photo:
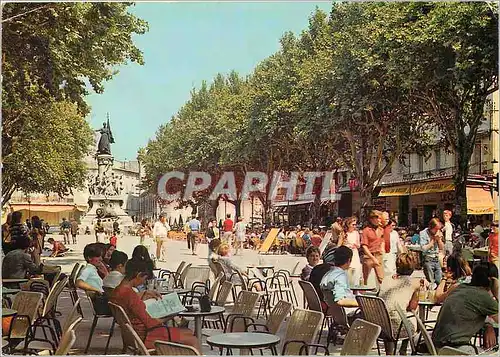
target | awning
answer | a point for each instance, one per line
(291, 203)
(479, 201)
(418, 188)
(42, 208)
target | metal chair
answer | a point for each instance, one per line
(97, 315)
(164, 348)
(314, 304)
(139, 345)
(408, 328)
(66, 343)
(275, 319)
(360, 338)
(301, 331)
(426, 336)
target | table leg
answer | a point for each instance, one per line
(197, 327)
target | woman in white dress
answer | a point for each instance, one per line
(351, 239)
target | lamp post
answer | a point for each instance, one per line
(409, 192)
(251, 218)
(28, 198)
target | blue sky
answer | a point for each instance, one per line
(188, 43)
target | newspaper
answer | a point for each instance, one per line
(169, 305)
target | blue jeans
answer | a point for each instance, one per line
(432, 270)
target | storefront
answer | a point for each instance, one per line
(417, 203)
(51, 213)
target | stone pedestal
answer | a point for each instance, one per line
(105, 201)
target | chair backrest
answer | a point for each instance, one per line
(67, 341)
(408, 326)
(26, 303)
(302, 326)
(73, 275)
(360, 338)
(140, 347)
(215, 287)
(375, 311)
(183, 275)
(219, 268)
(164, 348)
(53, 271)
(223, 293)
(244, 305)
(180, 267)
(450, 351)
(295, 269)
(198, 274)
(244, 284)
(278, 315)
(311, 296)
(123, 320)
(72, 317)
(426, 336)
(56, 290)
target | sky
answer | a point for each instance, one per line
(186, 44)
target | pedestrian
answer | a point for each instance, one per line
(116, 227)
(372, 243)
(431, 242)
(352, 240)
(194, 226)
(99, 231)
(493, 243)
(210, 233)
(74, 229)
(65, 227)
(145, 236)
(448, 232)
(187, 230)
(240, 231)
(160, 234)
(227, 227)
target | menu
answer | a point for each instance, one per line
(170, 304)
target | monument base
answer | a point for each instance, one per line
(106, 209)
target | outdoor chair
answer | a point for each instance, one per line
(426, 336)
(166, 274)
(375, 311)
(164, 348)
(140, 348)
(220, 300)
(71, 288)
(38, 344)
(98, 315)
(26, 303)
(179, 283)
(66, 343)
(314, 304)
(275, 319)
(450, 351)
(360, 338)
(279, 288)
(407, 326)
(197, 280)
(303, 326)
(340, 323)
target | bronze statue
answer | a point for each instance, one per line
(106, 139)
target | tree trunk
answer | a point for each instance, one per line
(366, 202)
(7, 192)
(314, 213)
(237, 205)
(462, 158)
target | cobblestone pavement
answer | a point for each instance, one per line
(177, 251)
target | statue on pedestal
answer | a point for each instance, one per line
(106, 139)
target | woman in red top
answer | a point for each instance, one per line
(148, 328)
(493, 243)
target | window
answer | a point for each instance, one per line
(420, 163)
(438, 159)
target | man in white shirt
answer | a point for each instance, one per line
(160, 233)
(240, 230)
(117, 263)
(448, 232)
(89, 279)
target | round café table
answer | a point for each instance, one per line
(9, 291)
(199, 315)
(263, 268)
(178, 291)
(13, 281)
(423, 305)
(244, 340)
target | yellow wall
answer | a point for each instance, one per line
(494, 145)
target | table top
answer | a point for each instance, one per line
(8, 312)
(8, 291)
(178, 291)
(7, 281)
(362, 287)
(214, 311)
(429, 303)
(261, 266)
(243, 340)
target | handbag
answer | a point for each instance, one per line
(205, 304)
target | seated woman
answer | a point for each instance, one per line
(213, 248)
(117, 263)
(400, 289)
(58, 248)
(148, 328)
(230, 268)
(312, 256)
(457, 272)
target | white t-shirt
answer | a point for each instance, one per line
(448, 230)
(394, 239)
(113, 279)
(161, 229)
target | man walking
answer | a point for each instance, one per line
(74, 230)
(227, 227)
(373, 246)
(240, 230)
(448, 232)
(194, 227)
(160, 233)
(65, 227)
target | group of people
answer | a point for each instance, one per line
(106, 230)
(111, 276)
(470, 298)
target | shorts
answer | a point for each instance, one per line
(240, 237)
(193, 237)
(161, 239)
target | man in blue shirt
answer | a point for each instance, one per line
(194, 226)
(431, 242)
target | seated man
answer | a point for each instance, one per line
(18, 264)
(117, 264)
(464, 313)
(89, 279)
(58, 248)
(335, 283)
(319, 271)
